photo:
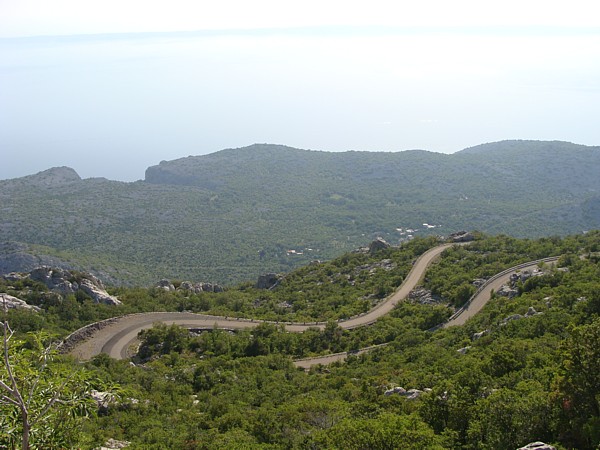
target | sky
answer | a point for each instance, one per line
(112, 87)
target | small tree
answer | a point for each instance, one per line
(41, 399)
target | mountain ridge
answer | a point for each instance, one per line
(232, 215)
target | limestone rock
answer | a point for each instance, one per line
(98, 294)
(196, 288)
(55, 279)
(377, 245)
(210, 287)
(15, 303)
(65, 282)
(507, 291)
(113, 444)
(166, 285)
(531, 312)
(513, 317)
(268, 281)
(479, 335)
(461, 236)
(410, 394)
(423, 296)
(103, 399)
(537, 446)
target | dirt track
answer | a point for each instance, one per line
(117, 338)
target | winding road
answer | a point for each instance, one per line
(117, 337)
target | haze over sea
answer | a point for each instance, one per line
(110, 105)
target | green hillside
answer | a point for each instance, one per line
(232, 215)
(524, 369)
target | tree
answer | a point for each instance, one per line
(388, 431)
(580, 386)
(41, 400)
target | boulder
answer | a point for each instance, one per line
(103, 399)
(65, 282)
(395, 390)
(189, 286)
(268, 281)
(410, 394)
(461, 236)
(507, 291)
(510, 318)
(196, 288)
(113, 444)
(531, 312)
(15, 303)
(378, 245)
(479, 335)
(98, 294)
(210, 287)
(423, 296)
(166, 285)
(55, 279)
(537, 446)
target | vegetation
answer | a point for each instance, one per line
(524, 380)
(42, 402)
(229, 216)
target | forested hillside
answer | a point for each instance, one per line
(524, 369)
(232, 215)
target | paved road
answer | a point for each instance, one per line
(119, 337)
(479, 301)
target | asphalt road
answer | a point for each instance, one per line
(119, 338)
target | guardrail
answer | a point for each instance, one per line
(489, 281)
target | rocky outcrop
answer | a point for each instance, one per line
(461, 236)
(464, 350)
(268, 281)
(479, 335)
(537, 446)
(530, 313)
(525, 275)
(94, 289)
(103, 399)
(166, 285)
(55, 279)
(65, 282)
(196, 288)
(378, 245)
(507, 291)
(410, 394)
(11, 302)
(188, 286)
(113, 444)
(423, 296)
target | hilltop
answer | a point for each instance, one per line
(234, 214)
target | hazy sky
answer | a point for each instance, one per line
(111, 87)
